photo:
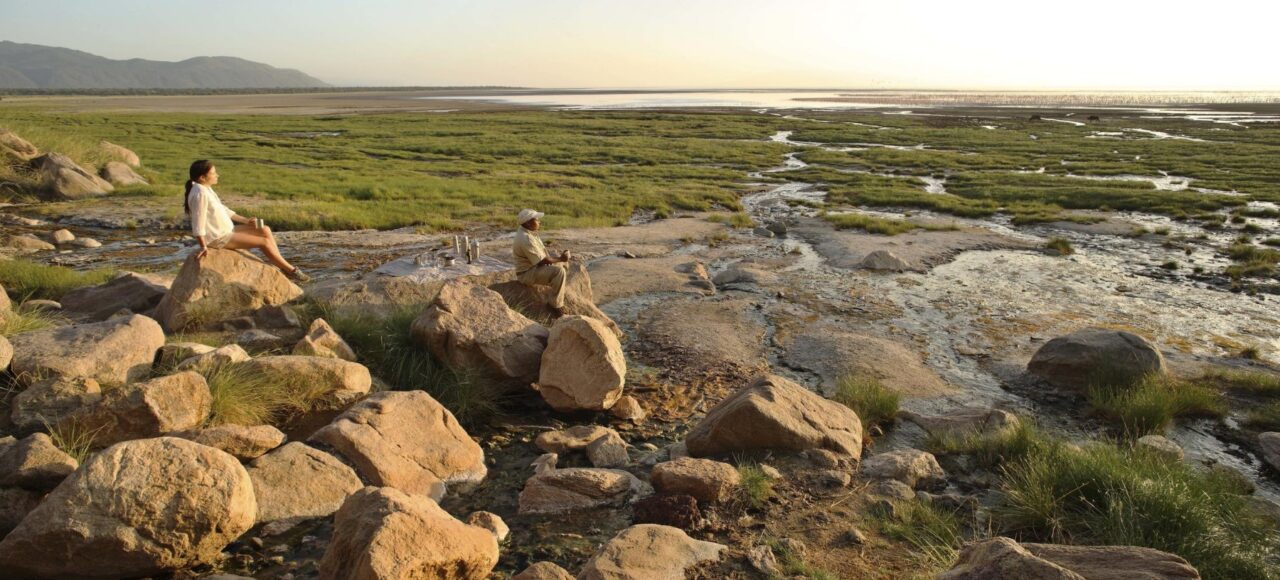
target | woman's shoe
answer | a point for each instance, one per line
(298, 275)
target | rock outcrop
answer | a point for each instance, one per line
(579, 298)
(915, 468)
(383, 534)
(65, 178)
(298, 481)
(114, 351)
(138, 508)
(241, 442)
(139, 410)
(704, 479)
(554, 491)
(137, 293)
(583, 367)
(225, 284)
(49, 401)
(126, 156)
(15, 146)
(1095, 355)
(322, 340)
(471, 329)
(1005, 559)
(647, 551)
(34, 463)
(121, 175)
(774, 413)
(405, 440)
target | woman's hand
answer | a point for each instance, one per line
(202, 253)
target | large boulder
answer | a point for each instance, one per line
(383, 534)
(913, 467)
(884, 261)
(647, 551)
(129, 291)
(225, 284)
(579, 298)
(774, 413)
(298, 481)
(323, 383)
(120, 174)
(704, 479)
(138, 508)
(1005, 559)
(240, 441)
(15, 504)
(207, 363)
(118, 152)
(139, 410)
(405, 440)
(112, 352)
(65, 178)
(583, 367)
(322, 340)
(34, 463)
(16, 146)
(49, 401)
(543, 571)
(471, 329)
(554, 491)
(1095, 355)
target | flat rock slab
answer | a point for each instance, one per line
(831, 351)
(920, 249)
(703, 334)
(616, 278)
(648, 551)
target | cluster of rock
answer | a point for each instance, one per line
(63, 177)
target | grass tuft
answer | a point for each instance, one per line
(935, 533)
(72, 438)
(994, 449)
(875, 404)
(756, 488)
(25, 280)
(1060, 245)
(737, 221)
(1149, 405)
(22, 320)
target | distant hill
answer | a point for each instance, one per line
(31, 66)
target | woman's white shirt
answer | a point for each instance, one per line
(209, 218)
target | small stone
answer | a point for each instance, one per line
(834, 478)
(239, 323)
(680, 511)
(628, 409)
(770, 471)
(257, 339)
(763, 560)
(279, 316)
(608, 451)
(1162, 446)
(491, 522)
(62, 237)
(87, 243)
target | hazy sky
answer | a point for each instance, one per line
(1027, 44)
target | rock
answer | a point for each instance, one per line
(826, 459)
(917, 469)
(965, 421)
(112, 352)
(87, 243)
(557, 491)
(65, 178)
(209, 361)
(833, 478)
(239, 323)
(774, 413)
(571, 439)
(543, 571)
(381, 533)
(15, 504)
(471, 329)
(37, 304)
(583, 367)
(491, 522)
(1268, 510)
(139, 410)
(1005, 559)
(707, 480)
(34, 463)
(579, 298)
(891, 490)
(778, 228)
(135, 292)
(763, 560)
(121, 175)
(545, 463)
(1093, 354)
(241, 442)
(742, 274)
(1270, 443)
(328, 383)
(647, 551)
(405, 440)
(608, 451)
(62, 236)
(628, 409)
(6, 349)
(298, 481)
(1162, 446)
(276, 317)
(138, 508)
(28, 243)
(49, 401)
(225, 284)
(680, 511)
(258, 340)
(175, 352)
(321, 340)
(762, 232)
(17, 146)
(118, 152)
(883, 260)
(5, 304)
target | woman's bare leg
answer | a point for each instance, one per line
(247, 237)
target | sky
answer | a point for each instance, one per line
(944, 44)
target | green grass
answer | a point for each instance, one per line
(879, 225)
(72, 438)
(934, 533)
(1149, 405)
(738, 220)
(1060, 245)
(993, 450)
(793, 564)
(1265, 417)
(756, 488)
(1108, 495)
(22, 320)
(24, 280)
(875, 404)
(1244, 381)
(243, 397)
(385, 345)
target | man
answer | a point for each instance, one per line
(533, 266)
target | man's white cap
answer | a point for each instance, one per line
(528, 214)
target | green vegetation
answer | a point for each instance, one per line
(24, 280)
(737, 221)
(385, 345)
(1244, 381)
(1265, 417)
(1060, 245)
(935, 533)
(72, 438)
(793, 564)
(1252, 261)
(879, 225)
(23, 319)
(1150, 404)
(756, 488)
(992, 450)
(244, 397)
(875, 404)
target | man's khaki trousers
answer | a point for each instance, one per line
(552, 275)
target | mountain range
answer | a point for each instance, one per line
(32, 66)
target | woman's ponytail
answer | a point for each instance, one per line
(198, 169)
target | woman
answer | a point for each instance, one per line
(216, 226)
